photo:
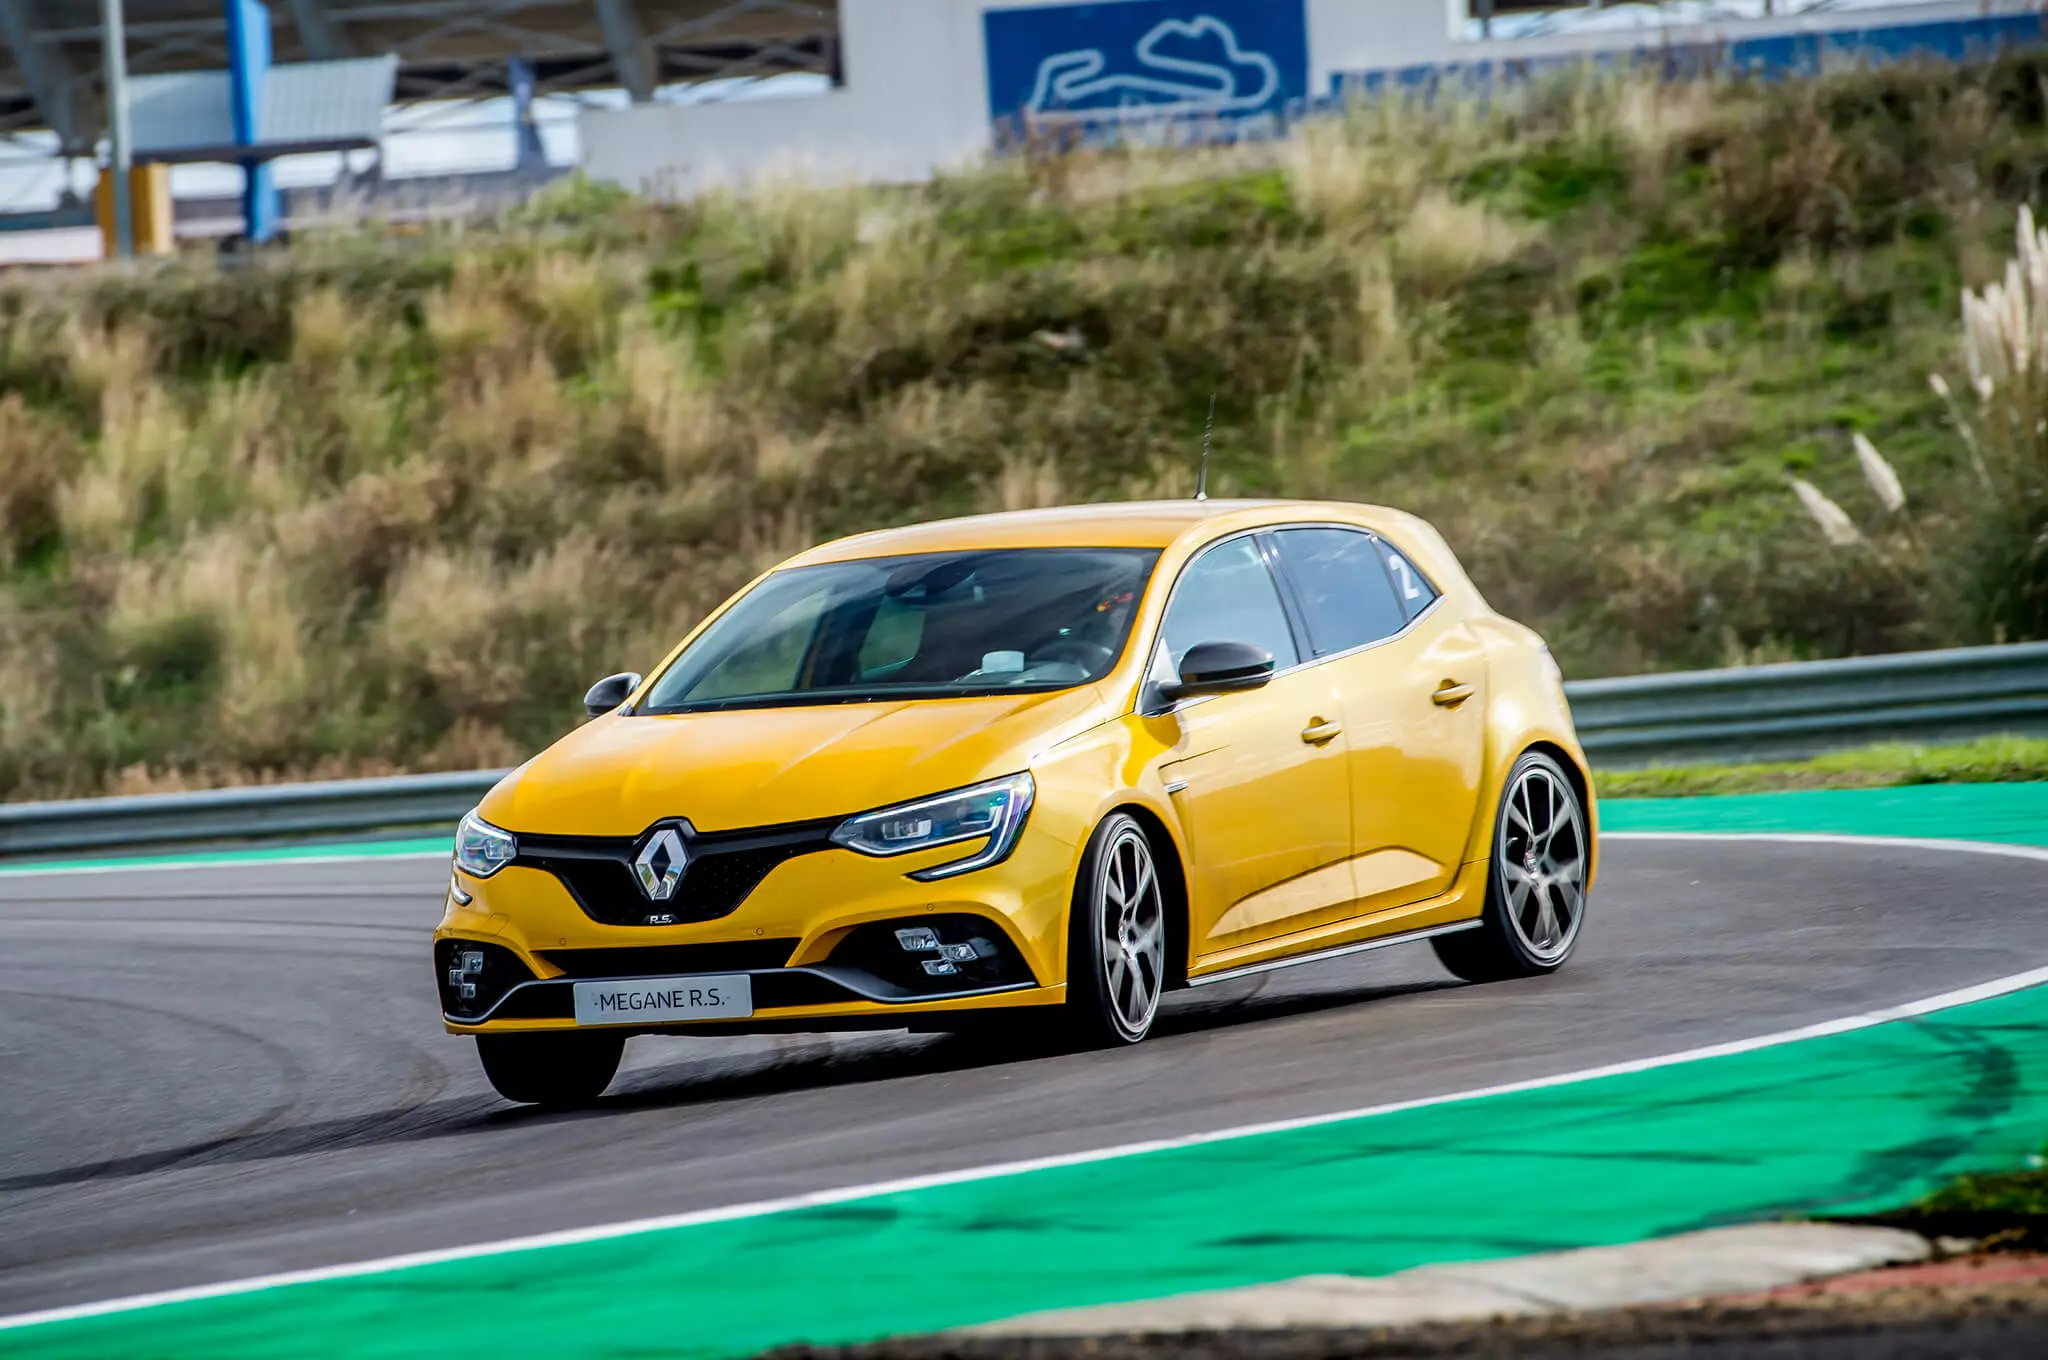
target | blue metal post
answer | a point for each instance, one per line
(248, 60)
(532, 157)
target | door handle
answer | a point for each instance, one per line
(1450, 694)
(1318, 731)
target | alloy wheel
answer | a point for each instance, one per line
(1132, 919)
(1542, 857)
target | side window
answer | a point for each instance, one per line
(1411, 587)
(1346, 596)
(1227, 595)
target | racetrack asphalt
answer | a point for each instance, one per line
(217, 1072)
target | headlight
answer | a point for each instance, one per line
(995, 810)
(481, 849)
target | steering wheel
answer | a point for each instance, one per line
(1089, 656)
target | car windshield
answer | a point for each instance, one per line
(940, 625)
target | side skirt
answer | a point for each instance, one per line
(1338, 952)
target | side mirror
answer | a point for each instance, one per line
(1220, 668)
(608, 693)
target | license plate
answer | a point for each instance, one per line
(641, 1001)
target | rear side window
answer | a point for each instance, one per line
(1411, 587)
(1346, 593)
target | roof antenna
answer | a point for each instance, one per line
(1202, 478)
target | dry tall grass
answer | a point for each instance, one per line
(380, 506)
(2005, 349)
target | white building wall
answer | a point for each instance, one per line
(1374, 35)
(914, 101)
(1360, 35)
(916, 93)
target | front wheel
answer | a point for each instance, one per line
(1116, 951)
(559, 1068)
(1536, 884)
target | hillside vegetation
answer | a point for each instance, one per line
(393, 503)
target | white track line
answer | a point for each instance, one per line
(2036, 852)
(1983, 991)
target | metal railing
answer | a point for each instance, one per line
(1746, 714)
(1802, 708)
(164, 821)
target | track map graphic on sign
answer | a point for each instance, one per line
(1110, 65)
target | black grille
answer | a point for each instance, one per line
(723, 868)
(546, 1001)
(772, 990)
(670, 960)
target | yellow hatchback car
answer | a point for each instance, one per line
(1035, 768)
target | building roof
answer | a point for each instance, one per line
(304, 106)
(51, 59)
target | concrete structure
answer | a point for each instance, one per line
(50, 56)
(926, 83)
(1739, 1260)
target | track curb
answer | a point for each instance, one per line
(1750, 1259)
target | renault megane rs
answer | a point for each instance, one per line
(1033, 769)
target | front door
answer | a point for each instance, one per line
(1411, 679)
(1258, 777)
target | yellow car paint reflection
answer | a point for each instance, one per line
(1402, 757)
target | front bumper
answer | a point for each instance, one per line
(815, 934)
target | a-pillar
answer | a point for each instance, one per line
(248, 62)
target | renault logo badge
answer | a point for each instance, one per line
(660, 864)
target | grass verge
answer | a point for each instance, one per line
(1990, 760)
(1997, 1210)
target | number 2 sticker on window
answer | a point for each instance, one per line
(1404, 576)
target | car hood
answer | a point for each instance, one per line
(618, 775)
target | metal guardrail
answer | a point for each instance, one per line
(1745, 714)
(161, 821)
(1802, 708)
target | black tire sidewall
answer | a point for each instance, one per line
(1088, 1001)
(1496, 882)
(566, 1067)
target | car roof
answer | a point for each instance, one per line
(1117, 524)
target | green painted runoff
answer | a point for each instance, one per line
(2016, 814)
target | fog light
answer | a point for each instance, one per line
(958, 953)
(468, 964)
(918, 938)
(939, 968)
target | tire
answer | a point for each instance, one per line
(567, 1068)
(1116, 945)
(1535, 883)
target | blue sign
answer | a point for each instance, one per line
(1091, 69)
(1780, 54)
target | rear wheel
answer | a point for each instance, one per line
(566, 1068)
(1536, 885)
(1116, 953)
